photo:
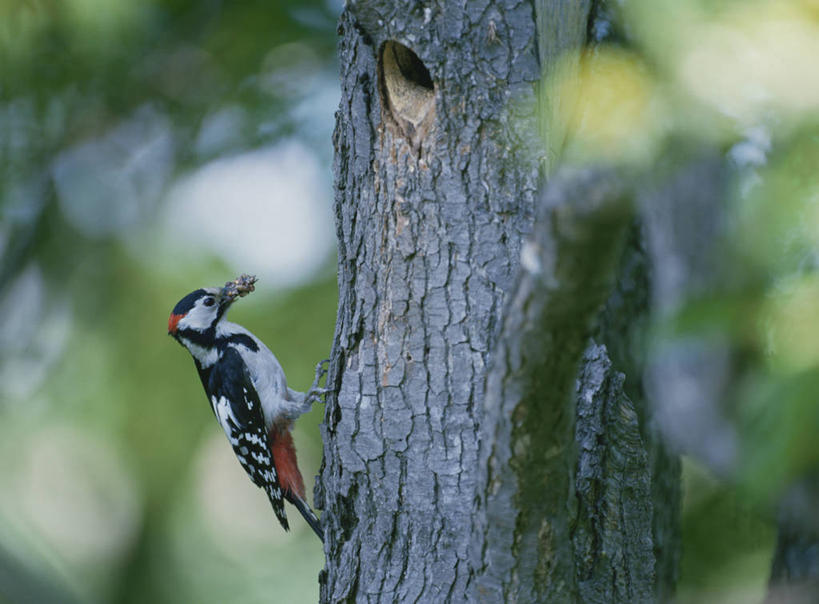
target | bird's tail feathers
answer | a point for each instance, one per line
(309, 515)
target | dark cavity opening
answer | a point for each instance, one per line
(407, 90)
(411, 67)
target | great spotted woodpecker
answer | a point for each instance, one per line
(248, 393)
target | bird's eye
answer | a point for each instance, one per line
(209, 302)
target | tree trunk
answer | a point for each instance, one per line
(795, 569)
(442, 339)
(543, 538)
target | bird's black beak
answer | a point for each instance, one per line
(225, 300)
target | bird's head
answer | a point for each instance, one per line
(199, 312)
(194, 319)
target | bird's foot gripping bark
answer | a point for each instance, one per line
(316, 393)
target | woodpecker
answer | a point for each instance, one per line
(248, 393)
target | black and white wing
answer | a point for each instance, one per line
(236, 405)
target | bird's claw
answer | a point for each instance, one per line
(315, 393)
(321, 371)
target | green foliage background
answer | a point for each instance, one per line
(107, 491)
(113, 474)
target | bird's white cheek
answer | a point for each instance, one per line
(197, 323)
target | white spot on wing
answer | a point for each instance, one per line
(224, 413)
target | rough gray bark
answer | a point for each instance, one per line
(436, 191)
(429, 239)
(622, 329)
(612, 538)
(527, 511)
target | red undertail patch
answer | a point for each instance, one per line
(284, 458)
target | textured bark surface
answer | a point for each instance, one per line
(429, 239)
(527, 508)
(438, 166)
(612, 535)
(622, 328)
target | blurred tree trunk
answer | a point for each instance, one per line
(795, 569)
(465, 456)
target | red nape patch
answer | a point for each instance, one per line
(284, 458)
(174, 319)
